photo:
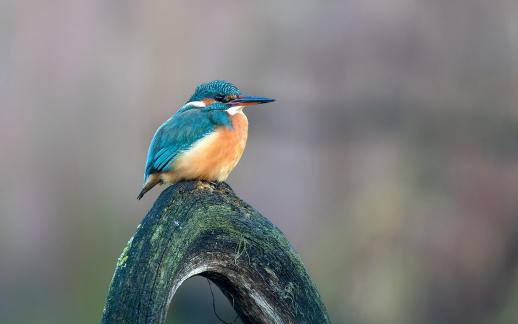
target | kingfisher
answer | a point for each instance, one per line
(203, 140)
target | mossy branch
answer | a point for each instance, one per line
(200, 228)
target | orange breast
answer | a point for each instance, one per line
(213, 157)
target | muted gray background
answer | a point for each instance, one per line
(390, 158)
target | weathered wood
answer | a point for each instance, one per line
(201, 228)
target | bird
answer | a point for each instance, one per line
(203, 140)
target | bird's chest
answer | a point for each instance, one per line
(214, 156)
(229, 143)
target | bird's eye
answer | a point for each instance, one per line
(220, 98)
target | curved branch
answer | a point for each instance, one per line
(201, 228)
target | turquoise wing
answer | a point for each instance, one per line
(176, 135)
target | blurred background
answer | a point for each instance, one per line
(390, 158)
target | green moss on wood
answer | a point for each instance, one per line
(203, 228)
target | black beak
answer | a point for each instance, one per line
(246, 101)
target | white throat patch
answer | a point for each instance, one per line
(235, 110)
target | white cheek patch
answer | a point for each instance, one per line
(198, 104)
(235, 110)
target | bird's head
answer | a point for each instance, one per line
(221, 95)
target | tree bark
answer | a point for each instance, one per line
(202, 228)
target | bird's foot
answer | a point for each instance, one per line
(203, 184)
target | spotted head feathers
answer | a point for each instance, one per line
(218, 90)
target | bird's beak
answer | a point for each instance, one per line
(245, 101)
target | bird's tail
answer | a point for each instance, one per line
(151, 181)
